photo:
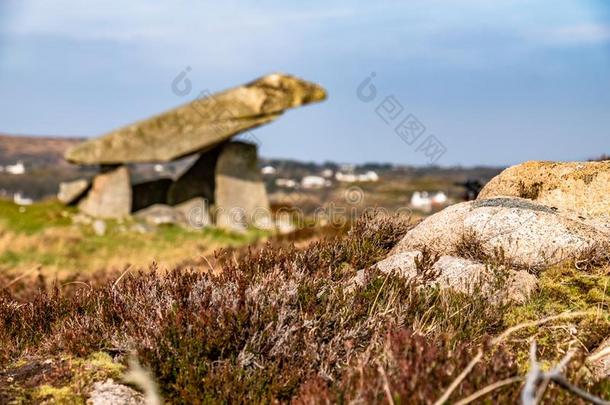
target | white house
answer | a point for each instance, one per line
(439, 198)
(288, 183)
(314, 182)
(268, 170)
(369, 176)
(346, 177)
(17, 168)
(328, 173)
(424, 201)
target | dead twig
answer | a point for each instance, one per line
(488, 389)
(532, 394)
(497, 340)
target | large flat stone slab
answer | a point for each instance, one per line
(199, 125)
(240, 196)
(109, 196)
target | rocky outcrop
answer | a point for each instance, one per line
(191, 214)
(109, 196)
(527, 234)
(240, 195)
(199, 125)
(577, 188)
(459, 274)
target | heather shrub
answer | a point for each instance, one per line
(273, 323)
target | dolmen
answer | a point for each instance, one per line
(222, 187)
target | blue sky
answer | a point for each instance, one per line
(496, 82)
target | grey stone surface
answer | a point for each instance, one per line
(577, 188)
(201, 124)
(463, 275)
(196, 213)
(111, 393)
(99, 227)
(110, 195)
(71, 191)
(530, 234)
(191, 214)
(159, 214)
(240, 196)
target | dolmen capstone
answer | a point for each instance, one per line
(225, 175)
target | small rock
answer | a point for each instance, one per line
(159, 214)
(194, 213)
(99, 227)
(462, 275)
(112, 393)
(141, 228)
(81, 219)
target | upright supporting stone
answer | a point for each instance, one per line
(71, 192)
(197, 181)
(110, 194)
(240, 196)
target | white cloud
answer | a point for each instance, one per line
(578, 34)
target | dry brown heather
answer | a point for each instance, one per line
(279, 324)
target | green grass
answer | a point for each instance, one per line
(34, 218)
(43, 234)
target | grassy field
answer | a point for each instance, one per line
(42, 237)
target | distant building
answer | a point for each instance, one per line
(328, 173)
(425, 201)
(439, 198)
(314, 182)
(369, 176)
(288, 183)
(17, 168)
(268, 170)
(21, 200)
